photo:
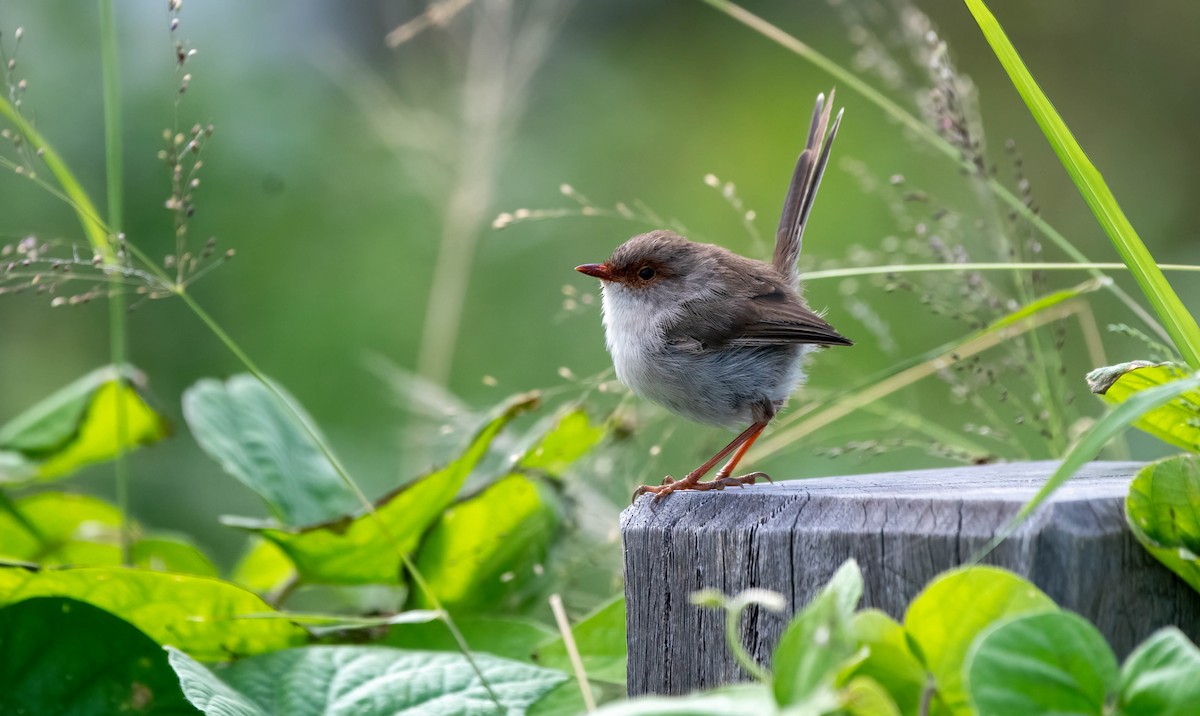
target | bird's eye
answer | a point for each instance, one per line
(646, 273)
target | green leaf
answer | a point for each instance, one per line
(484, 552)
(1176, 422)
(361, 680)
(243, 425)
(572, 437)
(755, 700)
(198, 614)
(172, 553)
(68, 658)
(817, 643)
(1093, 441)
(1163, 510)
(77, 426)
(600, 639)
(353, 550)
(57, 528)
(866, 697)
(1048, 663)
(946, 617)
(889, 661)
(1176, 319)
(263, 567)
(1160, 676)
(505, 637)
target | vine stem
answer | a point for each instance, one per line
(118, 333)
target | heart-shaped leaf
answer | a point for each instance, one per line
(946, 617)
(1048, 663)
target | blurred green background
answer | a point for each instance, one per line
(335, 158)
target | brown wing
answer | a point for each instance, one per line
(761, 310)
(782, 317)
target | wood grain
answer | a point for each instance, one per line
(903, 528)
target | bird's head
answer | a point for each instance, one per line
(659, 263)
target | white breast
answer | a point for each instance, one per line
(633, 330)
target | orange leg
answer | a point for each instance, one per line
(738, 447)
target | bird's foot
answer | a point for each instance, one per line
(719, 482)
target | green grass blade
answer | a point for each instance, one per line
(93, 226)
(1180, 324)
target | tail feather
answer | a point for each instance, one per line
(806, 179)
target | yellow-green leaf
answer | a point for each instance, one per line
(56, 528)
(1176, 422)
(889, 659)
(946, 617)
(484, 552)
(77, 426)
(353, 549)
(199, 615)
(572, 436)
(263, 567)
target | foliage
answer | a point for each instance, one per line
(70, 658)
(977, 640)
(469, 562)
(337, 680)
(1163, 510)
(76, 427)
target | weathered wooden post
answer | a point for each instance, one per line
(903, 528)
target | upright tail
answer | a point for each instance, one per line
(805, 181)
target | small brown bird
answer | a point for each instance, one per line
(711, 335)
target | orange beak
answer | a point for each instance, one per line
(600, 271)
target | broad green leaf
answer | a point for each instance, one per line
(361, 681)
(1048, 663)
(1176, 319)
(77, 426)
(68, 658)
(57, 528)
(197, 614)
(1176, 422)
(1161, 677)
(600, 639)
(243, 426)
(1093, 441)
(889, 661)
(755, 700)
(817, 643)
(1163, 510)
(263, 567)
(864, 696)
(485, 552)
(572, 437)
(946, 617)
(353, 550)
(505, 637)
(172, 553)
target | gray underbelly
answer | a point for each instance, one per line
(718, 388)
